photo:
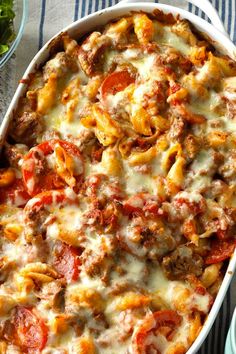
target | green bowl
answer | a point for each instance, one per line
(21, 12)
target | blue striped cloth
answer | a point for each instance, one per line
(225, 8)
(46, 18)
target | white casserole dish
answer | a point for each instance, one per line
(215, 33)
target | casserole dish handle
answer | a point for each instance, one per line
(203, 5)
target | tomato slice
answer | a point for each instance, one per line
(220, 250)
(67, 261)
(15, 194)
(39, 174)
(116, 82)
(164, 322)
(30, 330)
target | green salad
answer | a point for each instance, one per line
(6, 24)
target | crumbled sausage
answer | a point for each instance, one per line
(177, 129)
(51, 134)
(162, 244)
(59, 65)
(216, 189)
(26, 128)
(53, 292)
(183, 205)
(123, 286)
(14, 153)
(86, 138)
(231, 110)
(228, 168)
(6, 266)
(91, 50)
(147, 238)
(97, 264)
(36, 249)
(181, 262)
(35, 221)
(192, 145)
(175, 61)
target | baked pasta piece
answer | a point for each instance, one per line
(117, 193)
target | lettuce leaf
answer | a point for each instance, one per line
(6, 25)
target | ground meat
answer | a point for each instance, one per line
(174, 60)
(177, 129)
(85, 140)
(220, 220)
(192, 146)
(50, 134)
(123, 286)
(162, 244)
(7, 331)
(103, 219)
(36, 249)
(181, 110)
(231, 110)
(100, 190)
(217, 188)
(6, 266)
(218, 158)
(26, 128)
(90, 52)
(53, 292)
(119, 63)
(98, 324)
(183, 205)
(97, 264)
(34, 221)
(145, 238)
(59, 65)
(154, 101)
(41, 166)
(14, 153)
(228, 169)
(182, 262)
(96, 152)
